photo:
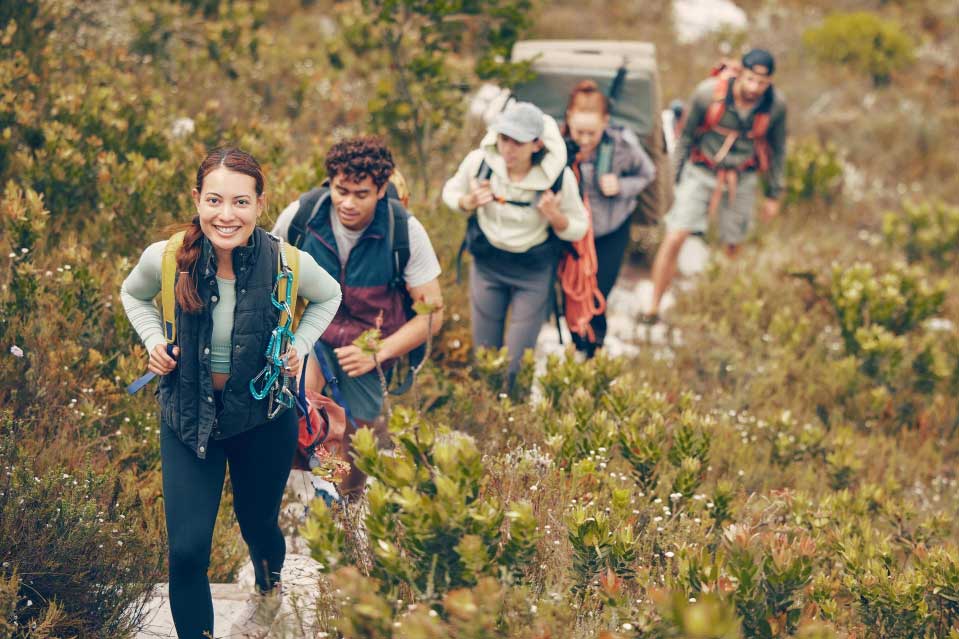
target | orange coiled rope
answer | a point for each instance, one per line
(577, 275)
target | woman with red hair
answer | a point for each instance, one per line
(614, 169)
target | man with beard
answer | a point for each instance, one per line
(734, 128)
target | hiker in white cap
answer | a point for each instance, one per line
(526, 203)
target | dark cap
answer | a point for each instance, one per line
(760, 58)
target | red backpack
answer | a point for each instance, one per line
(321, 440)
(725, 72)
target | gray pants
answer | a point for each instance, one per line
(497, 288)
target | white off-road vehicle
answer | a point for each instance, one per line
(626, 71)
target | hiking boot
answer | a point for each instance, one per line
(649, 319)
(257, 616)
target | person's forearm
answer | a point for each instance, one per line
(632, 185)
(137, 293)
(455, 189)
(573, 210)
(775, 180)
(642, 174)
(315, 320)
(410, 335)
(145, 318)
(559, 222)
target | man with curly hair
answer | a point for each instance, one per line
(356, 228)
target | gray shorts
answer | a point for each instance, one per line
(362, 394)
(690, 209)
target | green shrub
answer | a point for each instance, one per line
(925, 230)
(565, 373)
(491, 365)
(77, 560)
(707, 616)
(404, 51)
(488, 610)
(431, 528)
(941, 568)
(874, 308)
(763, 566)
(813, 172)
(577, 430)
(863, 41)
(12, 600)
(600, 545)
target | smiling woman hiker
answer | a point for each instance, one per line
(526, 201)
(613, 169)
(232, 280)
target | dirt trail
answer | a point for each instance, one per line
(630, 297)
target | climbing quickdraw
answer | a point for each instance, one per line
(270, 381)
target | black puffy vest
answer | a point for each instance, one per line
(187, 404)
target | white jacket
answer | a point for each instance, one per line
(519, 228)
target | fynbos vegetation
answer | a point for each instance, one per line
(785, 466)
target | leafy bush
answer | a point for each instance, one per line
(77, 560)
(863, 41)
(683, 441)
(911, 601)
(880, 318)
(763, 567)
(813, 172)
(403, 51)
(565, 373)
(430, 527)
(488, 610)
(600, 546)
(705, 617)
(491, 365)
(871, 305)
(925, 230)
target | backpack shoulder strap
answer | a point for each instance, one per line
(399, 236)
(391, 191)
(168, 285)
(557, 185)
(616, 87)
(485, 171)
(763, 116)
(309, 206)
(287, 256)
(604, 156)
(292, 255)
(717, 107)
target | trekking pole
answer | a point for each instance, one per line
(556, 314)
(143, 380)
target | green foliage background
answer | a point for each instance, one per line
(787, 468)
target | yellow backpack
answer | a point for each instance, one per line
(168, 281)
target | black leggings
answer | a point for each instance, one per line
(259, 462)
(610, 250)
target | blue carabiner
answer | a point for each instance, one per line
(285, 304)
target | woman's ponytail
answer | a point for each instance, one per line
(187, 256)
